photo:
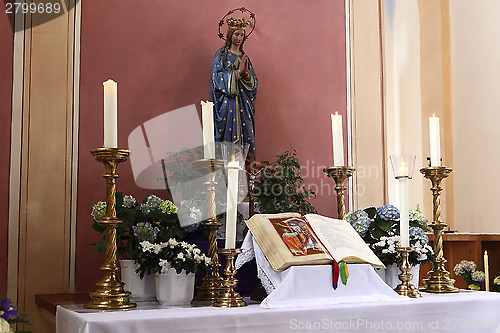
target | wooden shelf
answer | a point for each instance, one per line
(49, 302)
(467, 246)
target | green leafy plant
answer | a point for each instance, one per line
(280, 187)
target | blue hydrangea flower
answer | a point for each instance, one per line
(388, 213)
(360, 221)
(145, 231)
(152, 202)
(7, 310)
(128, 201)
(418, 233)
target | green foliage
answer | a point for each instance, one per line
(280, 188)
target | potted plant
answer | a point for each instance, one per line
(280, 187)
(379, 228)
(174, 263)
(153, 219)
(467, 270)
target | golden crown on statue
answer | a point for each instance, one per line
(237, 23)
(234, 23)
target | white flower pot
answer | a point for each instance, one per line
(141, 289)
(173, 288)
(392, 272)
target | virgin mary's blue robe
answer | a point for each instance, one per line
(233, 100)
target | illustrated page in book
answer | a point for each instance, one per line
(342, 241)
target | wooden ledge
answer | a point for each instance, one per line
(49, 302)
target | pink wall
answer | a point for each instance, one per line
(7, 47)
(161, 56)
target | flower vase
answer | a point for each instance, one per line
(173, 288)
(141, 289)
(392, 272)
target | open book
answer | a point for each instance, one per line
(289, 239)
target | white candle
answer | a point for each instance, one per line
(207, 116)
(338, 141)
(232, 202)
(435, 143)
(404, 220)
(110, 114)
(403, 170)
(486, 271)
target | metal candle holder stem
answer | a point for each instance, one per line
(229, 298)
(211, 285)
(339, 175)
(439, 278)
(405, 288)
(110, 293)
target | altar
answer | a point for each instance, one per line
(466, 311)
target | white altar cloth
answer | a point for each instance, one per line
(466, 311)
(308, 285)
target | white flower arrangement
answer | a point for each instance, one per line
(385, 249)
(179, 255)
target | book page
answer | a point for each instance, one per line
(342, 241)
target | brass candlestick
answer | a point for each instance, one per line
(230, 298)
(211, 285)
(110, 293)
(439, 278)
(405, 288)
(339, 175)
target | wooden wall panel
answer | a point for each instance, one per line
(7, 47)
(46, 164)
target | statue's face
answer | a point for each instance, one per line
(238, 37)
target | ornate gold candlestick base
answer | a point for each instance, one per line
(230, 298)
(110, 293)
(211, 285)
(339, 175)
(439, 278)
(405, 288)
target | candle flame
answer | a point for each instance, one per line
(434, 115)
(336, 113)
(485, 253)
(403, 163)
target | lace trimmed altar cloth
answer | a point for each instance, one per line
(300, 286)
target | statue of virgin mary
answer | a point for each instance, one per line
(234, 87)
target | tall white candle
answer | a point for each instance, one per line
(435, 143)
(338, 141)
(110, 114)
(404, 209)
(232, 202)
(486, 271)
(207, 116)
